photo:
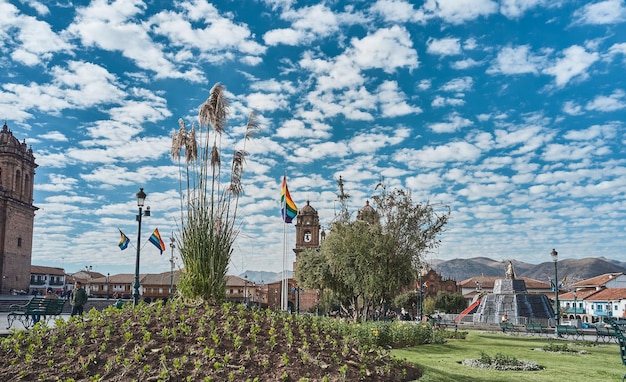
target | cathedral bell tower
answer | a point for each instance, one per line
(17, 212)
(307, 231)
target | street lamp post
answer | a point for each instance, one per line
(172, 245)
(555, 259)
(245, 290)
(575, 305)
(141, 198)
(108, 285)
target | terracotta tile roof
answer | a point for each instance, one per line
(236, 281)
(41, 270)
(597, 281)
(609, 294)
(123, 278)
(581, 294)
(160, 278)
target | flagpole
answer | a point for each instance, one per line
(286, 203)
(284, 280)
(283, 291)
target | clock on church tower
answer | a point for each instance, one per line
(307, 228)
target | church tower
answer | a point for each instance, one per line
(17, 212)
(308, 236)
(307, 230)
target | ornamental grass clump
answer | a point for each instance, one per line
(209, 203)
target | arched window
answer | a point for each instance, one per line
(27, 190)
(17, 187)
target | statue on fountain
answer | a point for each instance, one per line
(510, 273)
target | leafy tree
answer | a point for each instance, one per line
(367, 261)
(208, 206)
(450, 302)
(429, 305)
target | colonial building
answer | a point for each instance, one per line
(17, 212)
(42, 278)
(595, 299)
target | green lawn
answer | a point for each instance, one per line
(442, 362)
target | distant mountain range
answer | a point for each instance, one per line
(461, 269)
(574, 269)
(263, 277)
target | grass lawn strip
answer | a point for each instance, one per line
(443, 362)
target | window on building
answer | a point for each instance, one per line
(19, 241)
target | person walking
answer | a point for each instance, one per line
(78, 299)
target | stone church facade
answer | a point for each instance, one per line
(17, 212)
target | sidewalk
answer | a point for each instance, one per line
(4, 323)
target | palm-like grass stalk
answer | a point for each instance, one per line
(208, 210)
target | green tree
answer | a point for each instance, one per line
(429, 305)
(208, 205)
(450, 302)
(367, 261)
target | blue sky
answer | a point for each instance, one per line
(511, 112)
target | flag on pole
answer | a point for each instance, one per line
(552, 286)
(563, 282)
(124, 241)
(155, 239)
(288, 207)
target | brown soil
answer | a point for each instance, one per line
(177, 342)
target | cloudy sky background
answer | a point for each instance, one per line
(511, 112)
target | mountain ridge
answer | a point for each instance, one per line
(573, 270)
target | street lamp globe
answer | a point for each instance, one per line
(141, 198)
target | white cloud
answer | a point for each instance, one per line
(514, 9)
(516, 60)
(35, 41)
(603, 12)
(397, 11)
(309, 24)
(387, 49)
(435, 156)
(443, 47)
(571, 108)
(615, 101)
(458, 85)
(464, 64)
(439, 101)
(393, 101)
(456, 11)
(593, 132)
(285, 36)
(455, 122)
(574, 63)
(54, 136)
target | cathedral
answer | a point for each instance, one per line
(17, 212)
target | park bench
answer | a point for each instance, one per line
(604, 332)
(507, 326)
(534, 327)
(42, 307)
(619, 329)
(448, 324)
(568, 330)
